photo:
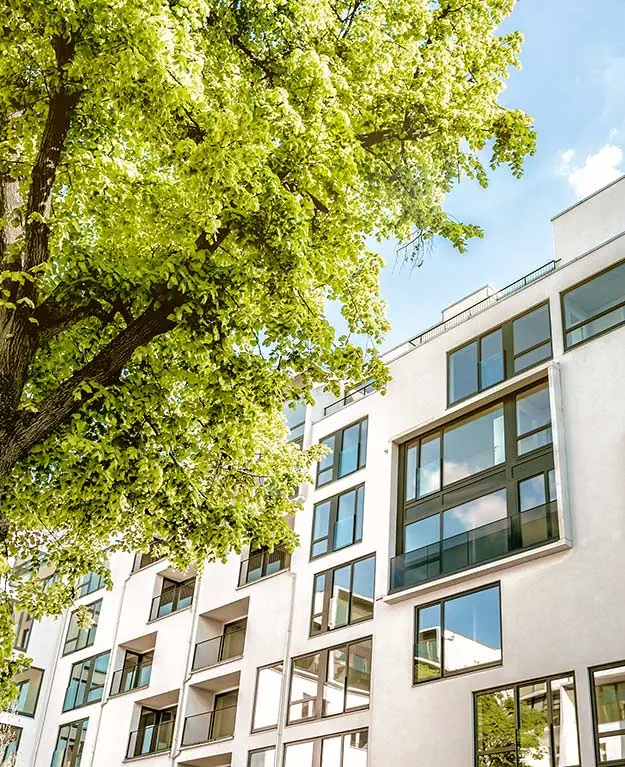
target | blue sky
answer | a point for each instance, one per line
(573, 84)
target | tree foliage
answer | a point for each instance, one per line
(184, 186)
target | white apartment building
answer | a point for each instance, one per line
(458, 596)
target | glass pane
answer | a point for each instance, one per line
(472, 630)
(610, 700)
(463, 372)
(334, 687)
(428, 644)
(422, 533)
(496, 723)
(411, 473)
(318, 599)
(481, 511)
(564, 717)
(298, 754)
(531, 329)
(360, 503)
(265, 758)
(359, 675)
(551, 480)
(267, 701)
(325, 467)
(473, 445)
(321, 526)
(331, 751)
(339, 608)
(348, 459)
(534, 734)
(534, 441)
(532, 492)
(355, 749)
(362, 590)
(532, 410)
(491, 359)
(611, 747)
(429, 479)
(539, 354)
(594, 327)
(345, 519)
(599, 295)
(304, 685)
(295, 413)
(362, 453)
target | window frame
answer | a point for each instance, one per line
(96, 609)
(318, 744)
(441, 603)
(269, 727)
(336, 452)
(89, 583)
(334, 501)
(88, 681)
(321, 682)
(327, 597)
(82, 732)
(595, 718)
(37, 696)
(507, 348)
(253, 751)
(563, 293)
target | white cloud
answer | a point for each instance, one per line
(597, 170)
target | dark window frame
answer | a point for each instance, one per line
(339, 435)
(81, 726)
(441, 603)
(177, 587)
(318, 743)
(334, 501)
(317, 701)
(37, 696)
(566, 331)
(23, 617)
(516, 686)
(269, 727)
(95, 609)
(253, 751)
(595, 717)
(507, 346)
(93, 581)
(88, 681)
(325, 615)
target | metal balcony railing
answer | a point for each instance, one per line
(350, 396)
(172, 599)
(211, 725)
(218, 649)
(131, 678)
(263, 563)
(483, 544)
(150, 740)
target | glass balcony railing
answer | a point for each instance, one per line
(475, 547)
(172, 599)
(224, 647)
(211, 725)
(131, 678)
(263, 563)
(151, 739)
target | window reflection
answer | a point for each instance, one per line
(609, 692)
(304, 687)
(343, 596)
(463, 372)
(481, 511)
(337, 522)
(491, 359)
(473, 445)
(533, 417)
(267, 700)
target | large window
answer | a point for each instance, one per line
(86, 682)
(343, 596)
(347, 749)
(28, 686)
(517, 345)
(330, 681)
(531, 723)
(155, 732)
(594, 307)
(89, 583)
(477, 489)
(267, 697)
(174, 596)
(608, 691)
(337, 522)
(348, 452)
(23, 629)
(459, 634)
(69, 744)
(10, 736)
(78, 638)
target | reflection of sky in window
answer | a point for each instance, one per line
(363, 577)
(595, 296)
(532, 410)
(473, 446)
(476, 513)
(475, 616)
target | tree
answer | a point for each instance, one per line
(184, 185)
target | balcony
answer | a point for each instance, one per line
(209, 726)
(262, 563)
(151, 739)
(172, 599)
(221, 648)
(131, 678)
(481, 545)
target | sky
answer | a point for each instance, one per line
(572, 82)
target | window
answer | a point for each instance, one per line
(267, 697)
(69, 744)
(330, 681)
(608, 698)
(174, 596)
(348, 749)
(477, 489)
(337, 522)
(9, 743)
(135, 672)
(262, 563)
(78, 638)
(343, 596)
(144, 559)
(265, 757)
(517, 345)
(295, 413)
(156, 728)
(86, 682)
(348, 452)
(89, 583)
(459, 634)
(528, 723)
(29, 686)
(594, 307)
(23, 629)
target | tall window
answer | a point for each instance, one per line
(155, 732)
(528, 723)
(78, 638)
(517, 345)
(608, 691)
(337, 522)
(343, 596)
(347, 749)
(9, 743)
(477, 489)
(29, 686)
(348, 453)
(70, 744)
(330, 681)
(459, 634)
(174, 596)
(267, 697)
(23, 629)
(594, 307)
(89, 583)
(86, 682)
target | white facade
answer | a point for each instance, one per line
(562, 603)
